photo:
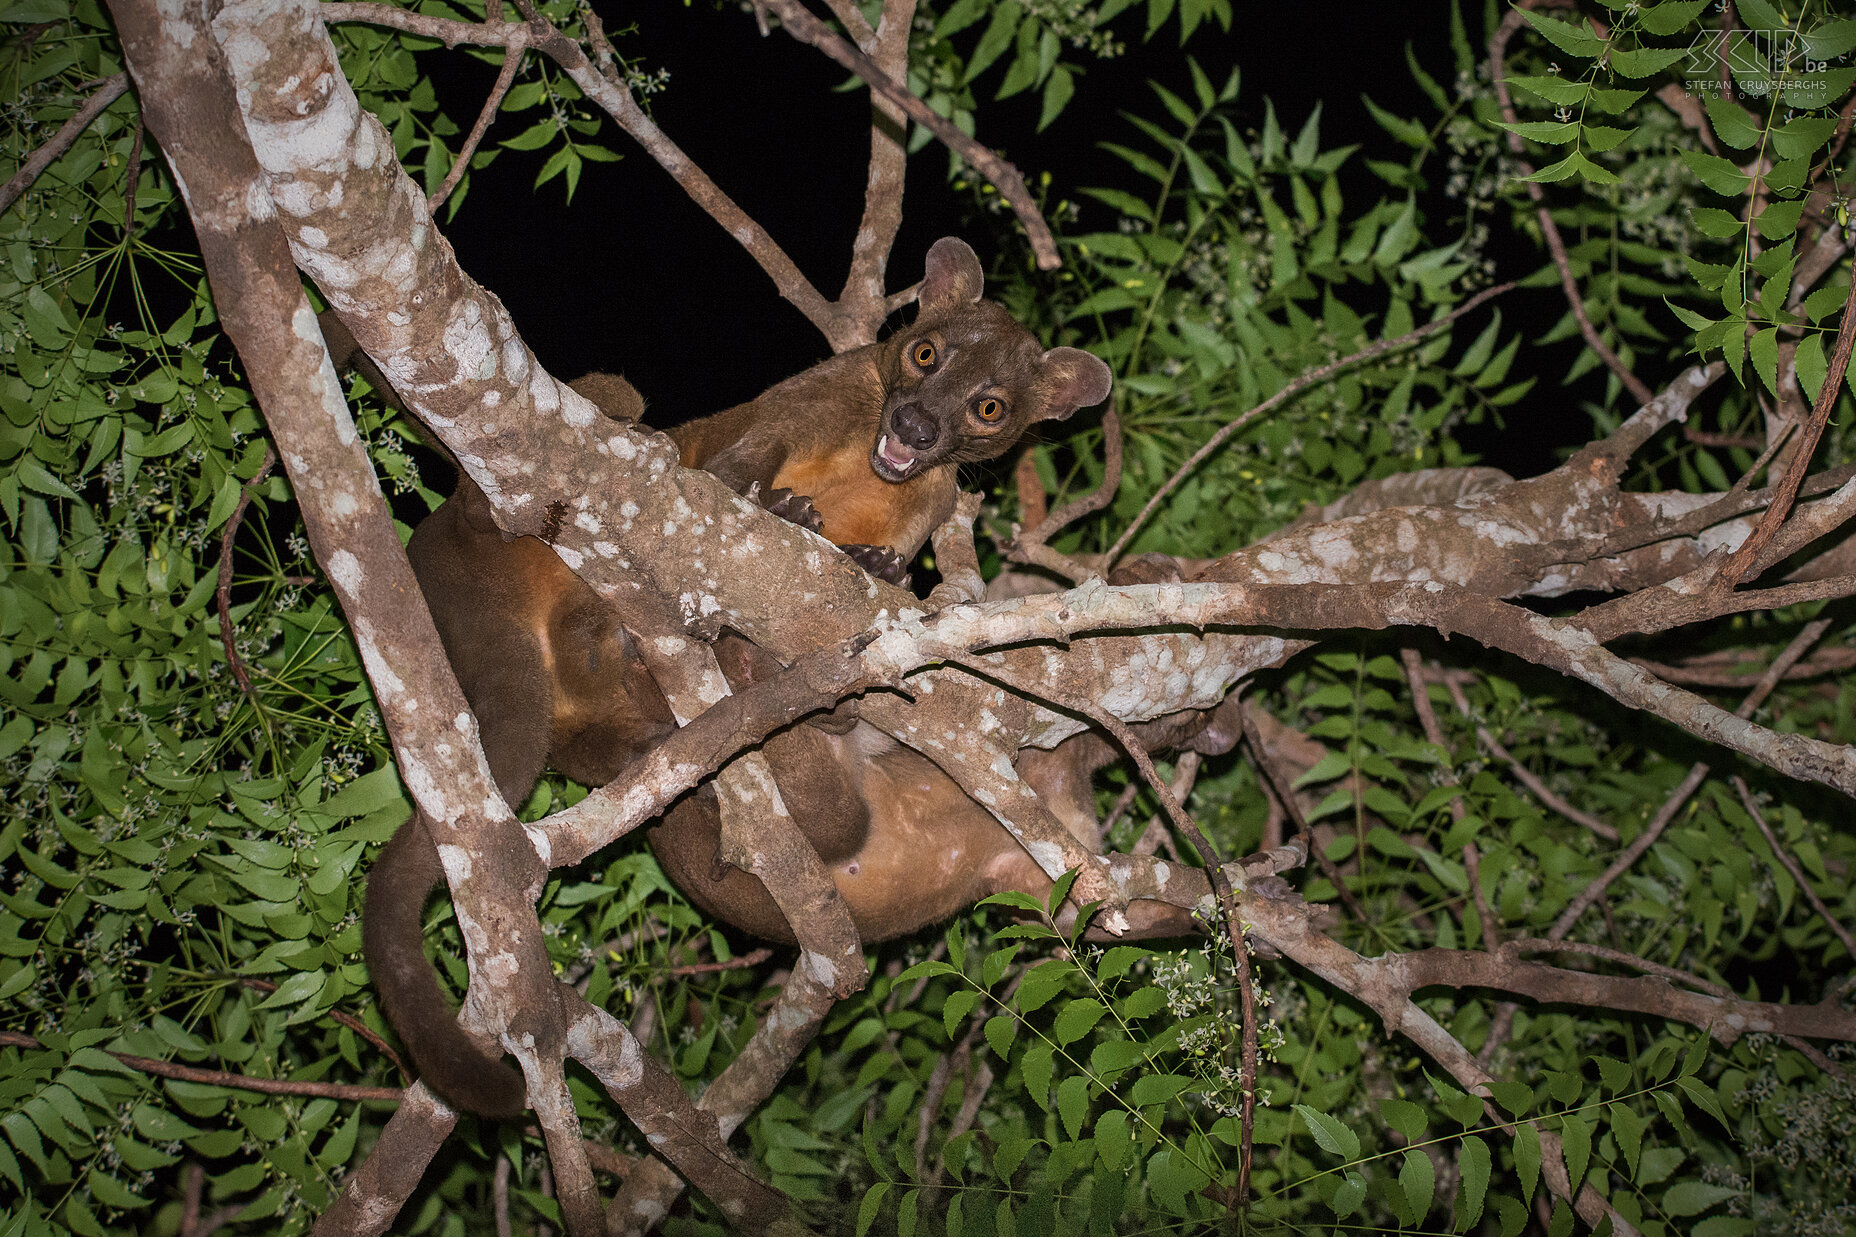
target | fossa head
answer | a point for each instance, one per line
(965, 380)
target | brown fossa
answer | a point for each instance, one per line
(862, 447)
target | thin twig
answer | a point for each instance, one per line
(1774, 673)
(1622, 957)
(1118, 809)
(1703, 671)
(193, 1180)
(1537, 945)
(1156, 835)
(1498, 44)
(1742, 560)
(220, 1078)
(499, 1197)
(505, 78)
(1285, 795)
(1434, 733)
(1527, 777)
(1103, 495)
(227, 635)
(1708, 438)
(1003, 176)
(753, 958)
(59, 142)
(1293, 389)
(129, 184)
(345, 1019)
(1791, 865)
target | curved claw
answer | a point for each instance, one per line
(793, 508)
(881, 562)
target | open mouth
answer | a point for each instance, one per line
(891, 460)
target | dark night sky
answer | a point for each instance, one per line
(633, 277)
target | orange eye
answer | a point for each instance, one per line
(923, 354)
(989, 409)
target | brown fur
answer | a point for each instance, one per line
(819, 433)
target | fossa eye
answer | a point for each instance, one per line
(923, 354)
(989, 409)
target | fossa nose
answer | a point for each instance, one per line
(914, 427)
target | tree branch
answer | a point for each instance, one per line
(59, 142)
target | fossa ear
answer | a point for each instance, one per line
(1068, 379)
(954, 278)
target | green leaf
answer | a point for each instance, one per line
(1000, 1030)
(997, 963)
(1473, 1162)
(1409, 132)
(1040, 984)
(1615, 102)
(1627, 1128)
(36, 11)
(1119, 961)
(1036, 1065)
(1689, 1198)
(1073, 1103)
(1516, 1097)
(959, 1004)
(1418, 1178)
(1077, 1019)
(1703, 1098)
(1733, 124)
(871, 1206)
(1811, 365)
(1059, 891)
(993, 43)
(1671, 15)
(1800, 138)
(1560, 91)
(1009, 1154)
(1058, 88)
(1405, 1117)
(534, 137)
(1830, 40)
(1645, 61)
(1552, 132)
(1111, 1137)
(963, 14)
(1527, 1158)
(1761, 15)
(1614, 1075)
(1158, 1089)
(1715, 222)
(1330, 1134)
(1780, 219)
(1764, 349)
(1717, 173)
(1571, 39)
(1576, 1142)
(1348, 1197)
